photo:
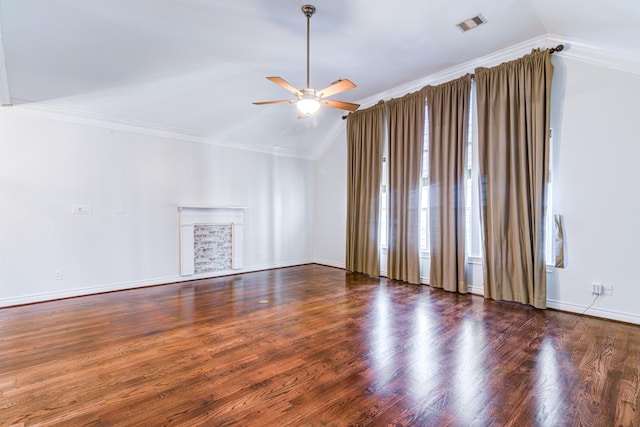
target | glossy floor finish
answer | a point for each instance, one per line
(328, 348)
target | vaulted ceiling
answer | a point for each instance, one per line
(192, 68)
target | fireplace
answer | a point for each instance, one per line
(210, 239)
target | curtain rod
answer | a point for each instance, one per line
(558, 48)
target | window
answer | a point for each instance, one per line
(383, 204)
(424, 195)
(473, 226)
(549, 223)
(469, 180)
(472, 212)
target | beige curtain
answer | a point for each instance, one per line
(513, 137)
(405, 127)
(448, 111)
(558, 240)
(365, 133)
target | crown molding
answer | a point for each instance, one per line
(5, 98)
(440, 77)
(454, 72)
(69, 115)
(605, 56)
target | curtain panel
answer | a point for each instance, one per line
(365, 136)
(405, 127)
(513, 131)
(558, 240)
(448, 112)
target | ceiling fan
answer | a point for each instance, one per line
(308, 100)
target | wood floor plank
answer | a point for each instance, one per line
(327, 348)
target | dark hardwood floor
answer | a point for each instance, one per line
(328, 348)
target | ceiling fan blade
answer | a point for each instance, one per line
(337, 87)
(285, 84)
(340, 104)
(280, 101)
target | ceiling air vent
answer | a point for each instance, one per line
(471, 23)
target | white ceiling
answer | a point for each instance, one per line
(194, 67)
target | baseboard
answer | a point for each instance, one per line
(476, 290)
(112, 287)
(90, 290)
(578, 309)
(330, 263)
(594, 311)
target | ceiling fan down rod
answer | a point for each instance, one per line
(308, 11)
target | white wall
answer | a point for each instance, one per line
(330, 195)
(595, 113)
(134, 184)
(296, 208)
(597, 154)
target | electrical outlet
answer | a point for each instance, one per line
(596, 289)
(57, 275)
(81, 209)
(607, 289)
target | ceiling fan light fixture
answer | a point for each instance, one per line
(308, 102)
